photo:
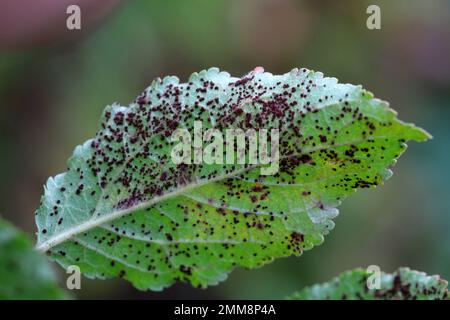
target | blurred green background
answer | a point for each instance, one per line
(54, 84)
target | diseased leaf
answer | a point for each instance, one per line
(124, 208)
(24, 274)
(403, 284)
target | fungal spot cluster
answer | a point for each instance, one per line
(403, 284)
(197, 222)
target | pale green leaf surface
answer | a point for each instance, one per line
(125, 209)
(403, 284)
(24, 274)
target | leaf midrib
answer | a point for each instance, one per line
(93, 223)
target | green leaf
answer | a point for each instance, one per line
(24, 274)
(403, 284)
(124, 208)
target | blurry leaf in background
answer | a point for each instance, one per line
(24, 273)
(403, 284)
(126, 209)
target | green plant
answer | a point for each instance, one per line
(24, 273)
(124, 208)
(401, 285)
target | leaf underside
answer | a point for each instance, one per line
(125, 209)
(403, 284)
(24, 274)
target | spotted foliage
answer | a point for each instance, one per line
(124, 208)
(403, 284)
